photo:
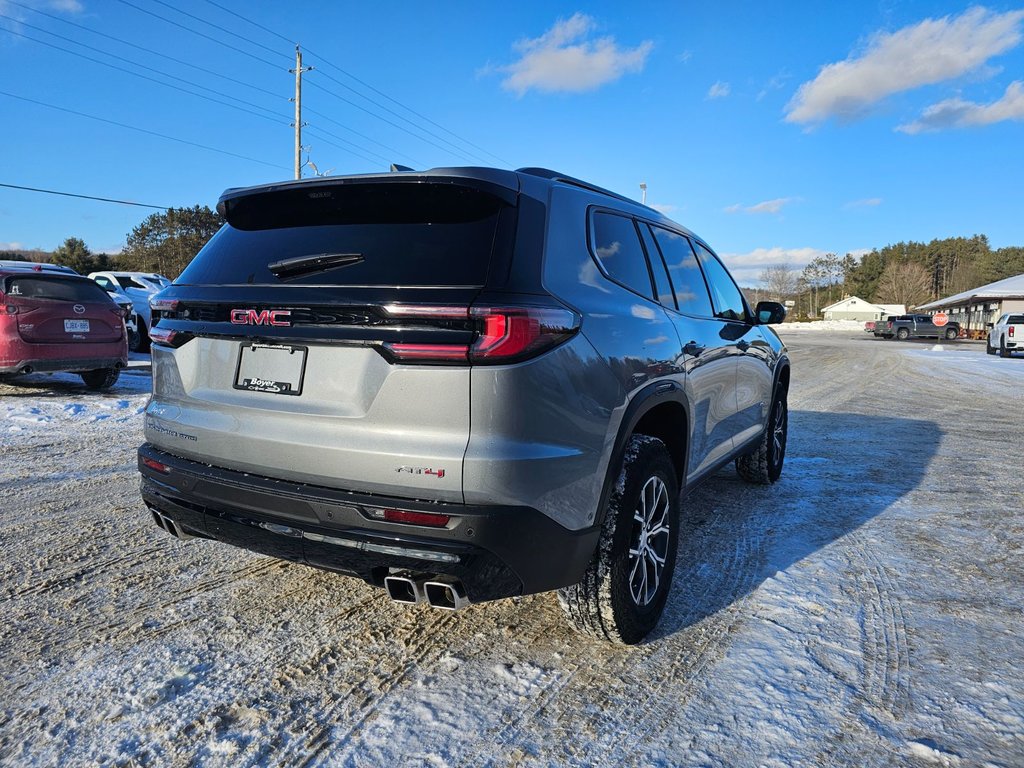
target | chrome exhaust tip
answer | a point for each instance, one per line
(405, 588)
(447, 594)
(170, 526)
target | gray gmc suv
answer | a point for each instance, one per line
(461, 384)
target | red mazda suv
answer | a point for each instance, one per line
(54, 321)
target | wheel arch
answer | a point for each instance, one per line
(659, 410)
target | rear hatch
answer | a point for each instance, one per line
(322, 334)
(59, 309)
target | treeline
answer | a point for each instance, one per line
(909, 273)
(163, 243)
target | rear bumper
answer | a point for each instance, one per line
(116, 360)
(495, 551)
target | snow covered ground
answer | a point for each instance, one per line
(831, 326)
(864, 611)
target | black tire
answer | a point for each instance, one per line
(764, 465)
(134, 340)
(101, 378)
(143, 337)
(951, 333)
(902, 334)
(1003, 351)
(989, 349)
(615, 601)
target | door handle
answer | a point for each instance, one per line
(693, 349)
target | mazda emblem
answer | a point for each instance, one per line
(79, 309)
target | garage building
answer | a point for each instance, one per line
(978, 306)
(855, 308)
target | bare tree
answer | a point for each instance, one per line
(779, 281)
(904, 283)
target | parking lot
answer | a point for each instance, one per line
(866, 610)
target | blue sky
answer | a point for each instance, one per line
(777, 133)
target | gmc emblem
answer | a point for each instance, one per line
(264, 317)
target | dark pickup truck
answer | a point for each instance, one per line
(905, 327)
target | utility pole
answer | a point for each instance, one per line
(643, 193)
(299, 69)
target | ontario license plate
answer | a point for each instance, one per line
(271, 368)
(76, 326)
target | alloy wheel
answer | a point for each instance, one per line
(649, 541)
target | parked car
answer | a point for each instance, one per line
(139, 287)
(461, 385)
(56, 320)
(1006, 334)
(920, 327)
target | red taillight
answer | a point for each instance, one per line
(430, 519)
(1011, 330)
(162, 335)
(503, 334)
(156, 465)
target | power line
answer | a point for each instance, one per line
(348, 74)
(382, 119)
(145, 77)
(200, 34)
(222, 29)
(182, 62)
(85, 197)
(205, 70)
(143, 130)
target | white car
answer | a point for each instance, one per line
(1006, 335)
(139, 287)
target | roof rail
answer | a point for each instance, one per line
(547, 173)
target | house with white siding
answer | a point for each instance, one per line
(855, 308)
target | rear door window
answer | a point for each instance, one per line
(728, 300)
(404, 235)
(55, 288)
(690, 289)
(617, 248)
(662, 284)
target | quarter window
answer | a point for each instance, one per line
(617, 248)
(728, 300)
(690, 290)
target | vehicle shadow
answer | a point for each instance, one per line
(735, 535)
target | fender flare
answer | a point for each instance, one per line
(654, 394)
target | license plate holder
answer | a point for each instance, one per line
(276, 369)
(76, 326)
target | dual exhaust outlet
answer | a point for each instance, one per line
(440, 592)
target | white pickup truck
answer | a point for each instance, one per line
(1006, 335)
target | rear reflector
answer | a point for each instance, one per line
(410, 517)
(157, 466)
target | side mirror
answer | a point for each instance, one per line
(770, 312)
(990, 325)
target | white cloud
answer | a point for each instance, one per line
(767, 206)
(719, 90)
(11, 246)
(867, 202)
(664, 208)
(747, 267)
(684, 57)
(564, 59)
(930, 52)
(957, 113)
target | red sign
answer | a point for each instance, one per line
(940, 319)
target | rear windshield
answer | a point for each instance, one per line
(55, 288)
(404, 235)
(1014, 319)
